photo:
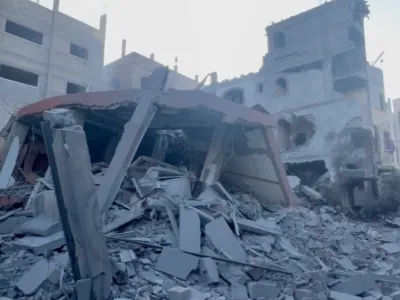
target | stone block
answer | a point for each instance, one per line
(45, 204)
(238, 292)
(395, 296)
(301, 294)
(258, 290)
(390, 248)
(342, 296)
(127, 256)
(224, 240)
(209, 268)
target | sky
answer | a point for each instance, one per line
(226, 36)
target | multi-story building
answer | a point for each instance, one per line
(45, 53)
(329, 102)
(128, 71)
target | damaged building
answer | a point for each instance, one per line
(328, 102)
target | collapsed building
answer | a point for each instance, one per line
(328, 102)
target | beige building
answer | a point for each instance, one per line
(45, 53)
(127, 73)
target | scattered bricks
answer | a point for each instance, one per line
(208, 267)
(238, 292)
(355, 285)
(179, 293)
(342, 296)
(127, 256)
(395, 296)
(224, 240)
(300, 294)
(174, 262)
(189, 230)
(390, 248)
(39, 244)
(32, 280)
(41, 225)
(262, 290)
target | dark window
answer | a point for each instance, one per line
(281, 87)
(260, 87)
(79, 51)
(235, 95)
(279, 40)
(24, 32)
(300, 139)
(73, 88)
(19, 75)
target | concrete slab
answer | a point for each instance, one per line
(13, 224)
(258, 290)
(174, 262)
(224, 240)
(261, 226)
(189, 230)
(346, 263)
(395, 296)
(41, 225)
(39, 244)
(342, 296)
(9, 164)
(127, 256)
(32, 280)
(390, 248)
(209, 268)
(82, 289)
(355, 285)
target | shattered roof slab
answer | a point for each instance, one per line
(233, 113)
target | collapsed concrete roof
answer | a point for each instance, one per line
(254, 163)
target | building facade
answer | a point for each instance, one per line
(45, 53)
(128, 71)
(329, 102)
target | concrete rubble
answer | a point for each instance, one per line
(174, 229)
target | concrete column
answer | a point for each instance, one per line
(56, 6)
(123, 50)
(103, 29)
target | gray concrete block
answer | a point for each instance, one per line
(83, 288)
(390, 248)
(224, 240)
(45, 204)
(209, 268)
(39, 244)
(179, 293)
(41, 225)
(232, 273)
(238, 292)
(189, 230)
(174, 262)
(342, 296)
(355, 285)
(32, 280)
(301, 294)
(346, 263)
(262, 290)
(127, 256)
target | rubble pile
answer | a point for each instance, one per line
(165, 242)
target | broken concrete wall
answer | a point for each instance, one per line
(332, 142)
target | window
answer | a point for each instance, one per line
(73, 88)
(382, 102)
(79, 51)
(281, 87)
(388, 143)
(260, 87)
(279, 40)
(235, 95)
(19, 75)
(24, 32)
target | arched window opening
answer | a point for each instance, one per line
(281, 87)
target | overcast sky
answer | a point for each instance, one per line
(227, 36)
